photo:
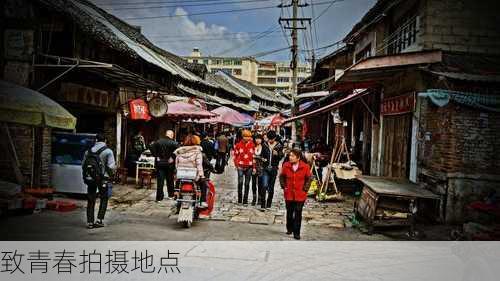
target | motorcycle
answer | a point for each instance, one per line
(188, 195)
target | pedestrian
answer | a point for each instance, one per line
(222, 149)
(138, 143)
(163, 151)
(207, 146)
(190, 155)
(271, 168)
(295, 179)
(98, 167)
(260, 157)
(243, 161)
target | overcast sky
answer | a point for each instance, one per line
(176, 27)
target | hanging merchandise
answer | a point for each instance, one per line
(139, 110)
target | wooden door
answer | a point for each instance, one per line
(396, 150)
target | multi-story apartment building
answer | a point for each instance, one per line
(274, 76)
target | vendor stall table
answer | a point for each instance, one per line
(143, 165)
(391, 201)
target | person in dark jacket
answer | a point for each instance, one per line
(260, 156)
(271, 168)
(207, 146)
(163, 151)
(295, 179)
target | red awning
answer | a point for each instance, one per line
(355, 95)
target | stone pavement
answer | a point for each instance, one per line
(314, 213)
(130, 199)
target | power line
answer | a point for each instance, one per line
(326, 9)
(203, 13)
(205, 35)
(314, 23)
(188, 5)
(156, 2)
(263, 34)
(262, 54)
(222, 11)
(206, 39)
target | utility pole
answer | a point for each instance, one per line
(293, 65)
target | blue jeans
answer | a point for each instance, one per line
(268, 180)
(244, 175)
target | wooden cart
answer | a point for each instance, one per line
(391, 202)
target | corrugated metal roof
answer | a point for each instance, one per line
(215, 99)
(143, 51)
(224, 83)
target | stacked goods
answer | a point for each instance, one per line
(61, 205)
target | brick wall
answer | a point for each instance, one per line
(463, 140)
(22, 137)
(461, 161)
(46, 157)
(461, 25)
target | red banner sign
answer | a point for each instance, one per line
(398, 105)
(139, 110)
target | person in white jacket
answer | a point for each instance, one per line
(190, 155)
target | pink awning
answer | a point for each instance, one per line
(226, 115)
(187, 110)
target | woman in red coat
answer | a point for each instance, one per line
(295, 179)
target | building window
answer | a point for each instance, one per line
(195, 61)
(403, 37)
(301, 69)
(283, 69)
(237, 71)
(266, 73)
(205, 61)
(283, 79)
(228, 62)
(365, 53)
(237, 62)
(266, 80)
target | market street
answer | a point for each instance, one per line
(134, 215)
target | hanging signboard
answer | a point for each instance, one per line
(398, 105)
(139, 110)
(157, 107)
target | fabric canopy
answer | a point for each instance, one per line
(277, 120)
(25, 106)
(226, 115)
(441, 98)
(272, 120)
(187, 110)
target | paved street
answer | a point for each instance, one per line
(134, 215)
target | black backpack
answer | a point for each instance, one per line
(93, 168)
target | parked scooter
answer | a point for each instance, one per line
(188, 197)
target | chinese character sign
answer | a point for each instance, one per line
(139, 110)
(398, 105)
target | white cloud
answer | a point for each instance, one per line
(181, 38)
(182, 33)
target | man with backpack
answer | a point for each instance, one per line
(163, 150)
(98, 167)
